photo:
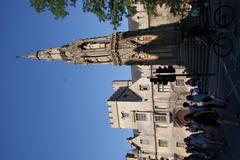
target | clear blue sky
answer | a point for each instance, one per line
(53, 110)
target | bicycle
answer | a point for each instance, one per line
(222, 45)
(224, 15)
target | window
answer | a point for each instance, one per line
(180, 144)
(143, 87)
(163, 88)
(124, 115)
(179, 82)
(141, 117)
(162, 143)
(144, 141)
(162, 117)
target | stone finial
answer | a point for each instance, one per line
(31, 56)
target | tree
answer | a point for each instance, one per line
(105, 10)
(111, 10)
(56, 7)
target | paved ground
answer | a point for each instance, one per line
(192, 55)
(226, 82)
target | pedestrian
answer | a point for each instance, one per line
(201, 143)
(209, 118)
(201, 106)
(193, 81)
(198, 156)
(195, 12)
(194, 127)
(195, 91)
(210, 152)
(200, 34)
(211, 135)
(200, 137)
(197, 31)
(205, 98)
(194, 107)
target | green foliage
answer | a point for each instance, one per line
(114, 10)
(175, 6)
(150, 6)
(97, 7)
(111, 10)
(57, 7)
(105, 10)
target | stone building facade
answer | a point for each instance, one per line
(152, 112)
(141, 20)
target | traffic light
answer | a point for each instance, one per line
(165, 69)
(164, 75)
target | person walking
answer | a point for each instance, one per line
(210, 152)
(198, 156)
(205, 98)
(202, 106)
(193, 81)
(200, 137)
(201, 34)
(209, 118)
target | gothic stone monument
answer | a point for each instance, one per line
(156, 45)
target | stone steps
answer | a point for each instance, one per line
(191, 54)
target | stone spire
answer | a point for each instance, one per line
(149, 46)
(93, 51)
(32, 56)
(47, 54)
